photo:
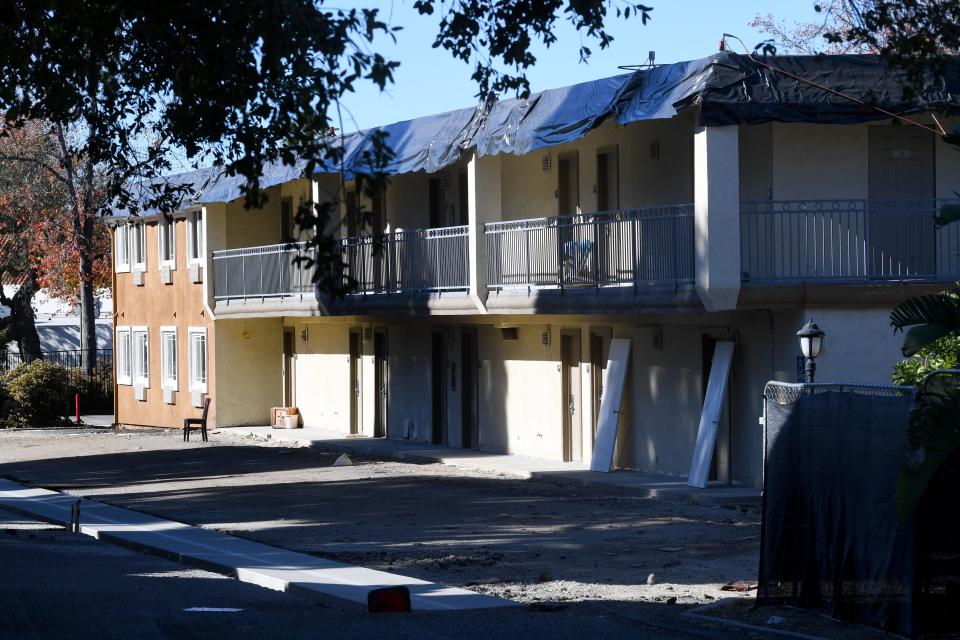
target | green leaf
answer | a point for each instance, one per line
(922, 335)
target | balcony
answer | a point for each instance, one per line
(627, 248)
(431, 261)
(265, 273)
(416, 261)
(846, 241)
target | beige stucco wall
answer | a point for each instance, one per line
(249, 359)
(822, 161)
(322, 374)
(528, 192)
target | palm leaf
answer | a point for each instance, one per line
(939, 308)
(922, 335)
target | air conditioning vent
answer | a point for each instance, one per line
(138, 277)
(169, 395)
(367, 334)
(197, 398)
(166, 274)
(545, 339)
(546, 163)
(195, 272)
(140, 392)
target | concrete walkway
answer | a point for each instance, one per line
(330, 582)
(648, 485)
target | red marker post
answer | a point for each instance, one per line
(76, 398)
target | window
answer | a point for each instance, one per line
(198, 360)
(121, 248)
(139, 233)
(166, 233)
(195, 237)
(141, 357)
(122, 349)
(168, 358)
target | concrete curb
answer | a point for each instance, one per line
(326, 581)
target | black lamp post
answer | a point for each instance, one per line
(811, 341)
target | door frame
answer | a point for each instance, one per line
(721, 466)
(381, 384)
(288, 367)
(355, 354)
(571, 395)
(469, 411)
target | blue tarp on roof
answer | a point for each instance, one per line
(728, 89)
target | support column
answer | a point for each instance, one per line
(716, 195)
(484, 205)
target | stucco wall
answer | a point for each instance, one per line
(180, 304)
(322, 374)
(249, 358)
(528, 192)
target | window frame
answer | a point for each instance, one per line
(124, 354)
(139, 241)
(166, 380)
(166, 227)
(196, 385)
(138, 380)
(196, 235)
(121, 239)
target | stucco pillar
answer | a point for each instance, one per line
(716, 196)
(483, 205)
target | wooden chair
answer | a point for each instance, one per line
(197, 423)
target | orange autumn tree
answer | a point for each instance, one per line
(49, 196)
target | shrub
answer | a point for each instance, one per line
(941, 354)
(38, 393)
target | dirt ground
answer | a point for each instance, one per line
(524, 540)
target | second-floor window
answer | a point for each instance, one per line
(195, 237)
(121, 247)
(166, 231)
(139, 245)
(141, 357)
(168, 357)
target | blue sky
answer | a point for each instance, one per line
(430, 80)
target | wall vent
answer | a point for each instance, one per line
(546, 163)
(653, 149)
(545, 339)
(367, 334)
(509, 333)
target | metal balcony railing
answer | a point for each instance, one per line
(846, 240)
(263, 272)
(421, 260)
(650, 246)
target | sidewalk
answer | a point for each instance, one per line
(648, 485)
(271, 567)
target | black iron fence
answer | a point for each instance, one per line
(95, 389)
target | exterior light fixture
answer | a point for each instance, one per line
(811, 342)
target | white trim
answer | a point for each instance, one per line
(167, 225)
(124, 356)
(165, 381)
(121, 238)
(138, 239)
(194, 384)
(138, 380)
(198, 229)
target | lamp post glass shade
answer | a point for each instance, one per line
(811, 339)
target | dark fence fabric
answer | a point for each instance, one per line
(830, 539)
